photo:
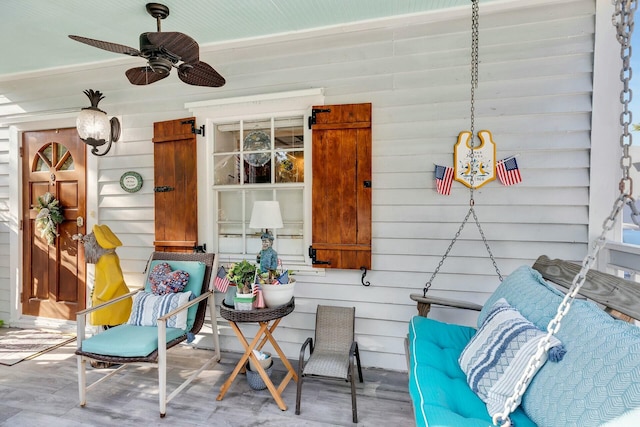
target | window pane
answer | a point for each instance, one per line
(68, 164)
(48, 153)
(227, 138)
(226, 169)
(257, 175)
(230, 206)
(256, 144)
(252, 197)
(289, 166)
(41, 166)
(290, 236)
(289, 132)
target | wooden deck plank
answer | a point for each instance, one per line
(44, 391)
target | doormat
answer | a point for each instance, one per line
(17, 345)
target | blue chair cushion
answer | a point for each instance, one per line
(437, 385)
(196, 270)
(128, 340)
(598, 380)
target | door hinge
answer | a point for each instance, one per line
(21, 225)
(21, 151)
(314, 111)
(197, 131)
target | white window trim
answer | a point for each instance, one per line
(222, 110)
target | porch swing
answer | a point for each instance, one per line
(460, 376)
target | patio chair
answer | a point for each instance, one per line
(335, 352)
(133, 344)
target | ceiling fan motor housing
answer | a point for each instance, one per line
(160, 65)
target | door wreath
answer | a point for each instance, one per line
(49, 216)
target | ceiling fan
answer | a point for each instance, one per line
(163, 51)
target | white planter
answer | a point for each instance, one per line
(275, 295)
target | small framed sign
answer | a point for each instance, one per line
(131, 182)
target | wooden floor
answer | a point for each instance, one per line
(43, 392)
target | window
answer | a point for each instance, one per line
(258, 148)
(256, 160)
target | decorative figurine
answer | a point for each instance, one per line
(99, 249)
(268, 257)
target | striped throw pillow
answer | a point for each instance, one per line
(147, 307)
(498, 354)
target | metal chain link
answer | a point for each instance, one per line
(623, 20)
(624, 23)
(474, 86)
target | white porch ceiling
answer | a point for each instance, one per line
(33, 34)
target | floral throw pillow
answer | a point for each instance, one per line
(164, 281)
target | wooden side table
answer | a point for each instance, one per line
(268, 319)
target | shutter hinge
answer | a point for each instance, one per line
(197, 131)
(312, 255)
(314, 111)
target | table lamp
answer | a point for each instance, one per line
(266, 214)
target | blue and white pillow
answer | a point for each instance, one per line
(498, 354)
(147, 307)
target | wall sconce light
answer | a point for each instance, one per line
(94, 127)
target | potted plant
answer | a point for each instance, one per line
(277, 287)
(242, 274)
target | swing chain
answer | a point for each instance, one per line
(486, 244)
(624, 23)
(623, 20)
(446, 253)
(474, 85)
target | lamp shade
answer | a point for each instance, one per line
(266, 215)
(93, 125)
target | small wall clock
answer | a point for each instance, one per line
(131, 182)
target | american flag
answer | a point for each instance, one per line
(508, 172)
(257, 291)
(444, 178)
(221, 282)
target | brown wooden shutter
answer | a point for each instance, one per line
(341, 211)
(176, 186)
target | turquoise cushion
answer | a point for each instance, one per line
(438, 387)
(128, 340)
(527, 292)
(196, 270)
(599, 376)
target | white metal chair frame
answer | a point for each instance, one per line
(157, 358)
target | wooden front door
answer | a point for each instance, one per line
(176, 185)
(341, 223)
(53, 275)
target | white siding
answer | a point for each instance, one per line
(535, 92)
(5, 226)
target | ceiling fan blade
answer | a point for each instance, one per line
(200, 74)
(177, 43)
(144, 76)
(111, 47)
